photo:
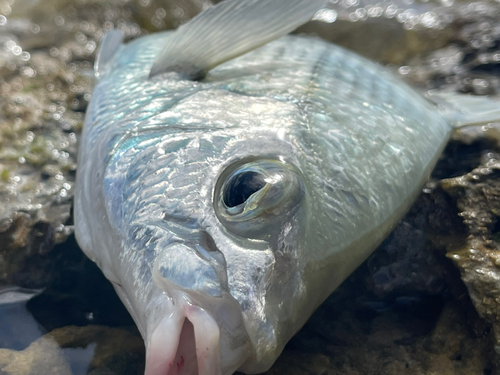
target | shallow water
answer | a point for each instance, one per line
(46, 56)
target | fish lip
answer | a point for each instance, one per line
(253, 360)
(188, 232)
(168, 347)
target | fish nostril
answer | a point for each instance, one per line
(241, 187)
(208, 250)
(207, 242)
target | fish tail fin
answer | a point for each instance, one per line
(228, 30)
(465, 109)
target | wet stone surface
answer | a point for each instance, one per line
(426, 302)
(477, 194)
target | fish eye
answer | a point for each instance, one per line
(253, 198)
(241, 187)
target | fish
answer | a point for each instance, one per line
(231, 177)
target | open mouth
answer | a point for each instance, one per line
(186, 342)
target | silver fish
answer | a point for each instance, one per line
(229, 181)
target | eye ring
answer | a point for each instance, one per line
(252, 197)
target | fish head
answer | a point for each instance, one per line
(219, 213)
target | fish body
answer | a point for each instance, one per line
(225, 210)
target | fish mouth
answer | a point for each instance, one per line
(192, 334)
(185, 342)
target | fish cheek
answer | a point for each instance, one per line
(266, 284)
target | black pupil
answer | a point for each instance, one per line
(241, 187)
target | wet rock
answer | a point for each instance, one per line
(70, 350)
(413, 259)
(469, 61)
(42, 357)
(393, 44)
(114, 350)
(23, 256)
(356, 332)
(478, 199)
(74, 308)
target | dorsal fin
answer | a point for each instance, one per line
(228, 30)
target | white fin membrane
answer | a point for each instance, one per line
(464, 110)
(228, 30)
